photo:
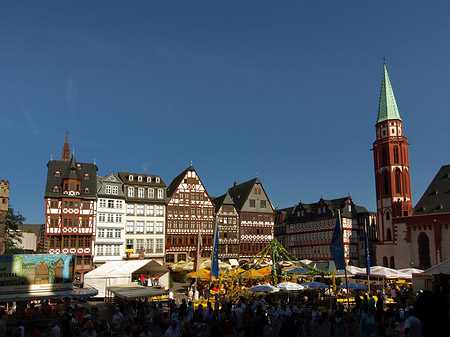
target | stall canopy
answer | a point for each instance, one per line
(441, 268)
(124, 272)
(47, 295)
(134, 291)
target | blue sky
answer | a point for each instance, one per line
(287, 90)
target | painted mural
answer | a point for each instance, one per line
(34, 269)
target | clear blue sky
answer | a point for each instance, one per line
(285, 89)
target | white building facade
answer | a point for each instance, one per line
(145, 214)
(109, 237)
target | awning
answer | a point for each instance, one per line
(46, 295)
(133, 291)
(234, 262)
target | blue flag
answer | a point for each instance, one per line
(215, 254)
(367, 253)
(337, 246)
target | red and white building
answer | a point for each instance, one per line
(70, 209)
(189, 211)
(256, 217)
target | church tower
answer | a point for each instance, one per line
(66, 149)
(391, 159)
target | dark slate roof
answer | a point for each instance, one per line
(223, 199)
(135, 182)
(436, 198)
(64, 168)
(177, 181)
(286, 212)
(240, 192)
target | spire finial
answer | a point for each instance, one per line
(256, 174)
(191, 163)
(95, 162)
(51, 157)
(66, 148)
(73, 152)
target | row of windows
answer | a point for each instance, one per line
(186, 224)
(186, 210)
(103, 203)
(140, 192)
(187, 240)
(256, 231)
(70, 242)
(138, 227)
(252, 247)
(138, 244)
(140, 179)
(193, 196)
(228, 221)
(112, 189)
(252, 203)
(109, 233)
(140, 210)
(86, 260)
(69, 222)
(257, 218)
(108, 250)
(110, 218)
(54, 203)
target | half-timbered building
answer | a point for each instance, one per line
(227, 219)
(189, 211)
(256, 216)
(70, 209)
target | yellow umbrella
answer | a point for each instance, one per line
(179, 265)
(205, 264)
(252, 273)
(265, 270)
(189, 266)
(201, 273)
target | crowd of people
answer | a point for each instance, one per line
(248, 316)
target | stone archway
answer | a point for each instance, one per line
(424, 251)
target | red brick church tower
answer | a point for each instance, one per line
(391, 159)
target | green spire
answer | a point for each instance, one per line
(387, 109)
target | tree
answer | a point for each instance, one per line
(12, 234)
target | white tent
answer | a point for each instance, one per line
(123, 272)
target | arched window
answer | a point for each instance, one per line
(57, 174)
(55, 189)
(395, 155)
(398, 183)
(388, 215)
(386, 184)
(388, 235)
(424, 251)
(86, 176)
(384, 157)
(385, 261)
(392, 262)
(86, 190)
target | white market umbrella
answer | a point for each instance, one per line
(263, 288)
(384, 272)
(290, 286)
(296, 270)
(314, 285)
(407, 273)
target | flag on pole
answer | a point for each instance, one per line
(367, 252)
(337, 245)
(215, 254)
(198, 252)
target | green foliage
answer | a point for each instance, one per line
(12, 234)
(170, 282)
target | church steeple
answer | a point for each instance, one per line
(387, 108)
(66, 149)
(391, 159)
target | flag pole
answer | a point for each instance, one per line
(367, 254)
(196, 260)
(343, 253)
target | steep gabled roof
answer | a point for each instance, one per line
(286, 213)
(387, 107)
(436, 198)
(222, 200)
(240, 192)
(177, 181)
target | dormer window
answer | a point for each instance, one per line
(149, 179)
(86, 176)
(130, 178)
(139, 178)
(57, 174)
(86, 190)
(55, 189)
(79, 166)
(157, 180)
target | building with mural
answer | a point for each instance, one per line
(70, 209)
